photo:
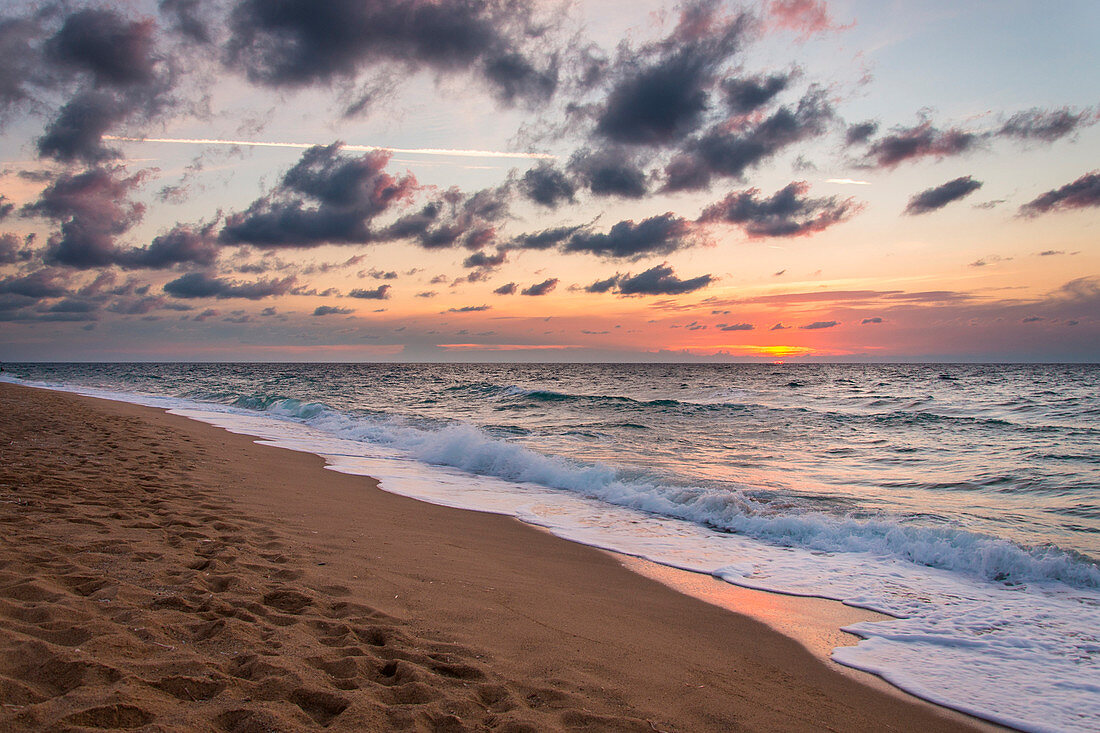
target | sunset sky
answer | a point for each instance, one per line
(525, 180)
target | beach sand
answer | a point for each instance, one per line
(161, 574)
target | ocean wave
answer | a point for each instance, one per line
(778, 522)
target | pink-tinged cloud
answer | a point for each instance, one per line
(805, 17)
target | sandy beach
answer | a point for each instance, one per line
(160, 574)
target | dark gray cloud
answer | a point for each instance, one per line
(297, 43)
(119, 75)
(485, 261)
(541, 288)
(736, 327)
(382, 292)
(787, 213)
(1046, 125)
(1084, 193)
(603, 286)
(187, 18)
(6, 207)
(456, 219)
(19, 61)
(45, 283)
(331, 310)
(326, 198)
(611, 171)
(114, 51)
(469, 309)
(544, 239)
(660, 234)
(937, 197)
(724, 152)
(506, 289)
(10, 247)
(203, 285)
(904, 144)
(868, 321)
(748, 94)
(779, 327)
(659, 280)
(544, 184)
(660, 92)
(182, 245)
(860, 132)
(93, 208)
(818, 325)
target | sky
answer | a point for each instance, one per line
(525, 180)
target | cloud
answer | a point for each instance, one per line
(545, 239)
(748, 94)
(9, 248)
(454, 219)
(486, 261)
(186, 19)
(806, 17)
(6, 207)
(93, 208)
(725, 152)
(45, 283)
(541, 288)
(818, 325)
(182, 245)
(937, 197)
(203, 285)
(779, 327)
(121, 78)
(904, 144)
(1081, 194)
(612, 171)
(21, 64)
(469, 309)
(659, 280)
(293, 43)
(659, 93)
(329, 310)
(660, 234)
(735, 327)
(868, 321)
(546, 185)
(860, 132)
(1046, 125)
(382, 292)
(787, 213)
(326, 198)
(506, 289)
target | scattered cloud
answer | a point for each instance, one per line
(204, 285)
(937, 197)
(328, 310)
(382, 292)
(541, 288)
(1083, 193)
(787, 213)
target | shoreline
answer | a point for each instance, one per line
(571, 633)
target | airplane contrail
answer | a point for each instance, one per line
(355, 148)
(847, 182)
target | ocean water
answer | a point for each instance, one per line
(962, 499)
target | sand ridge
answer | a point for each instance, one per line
(154, 577)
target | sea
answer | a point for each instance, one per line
(961, 500)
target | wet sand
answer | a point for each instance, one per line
(161, 574)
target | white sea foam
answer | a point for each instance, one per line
(1024, 653)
